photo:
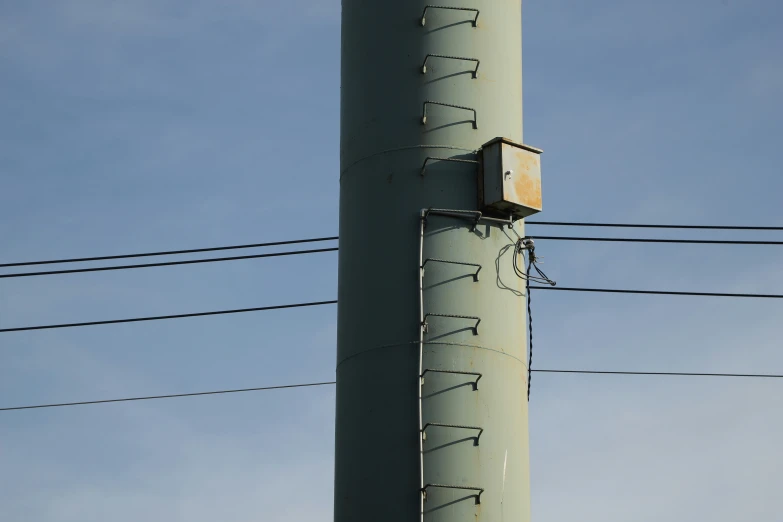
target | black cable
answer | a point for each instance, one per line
(318, 303)
(628, 225)
(649, 240)
(167, 263)
(168, 253)
(329, 383)
(333, 238)
(529, 328)
(163, 317)
(667, 374)
(655, 292)
(178, 395)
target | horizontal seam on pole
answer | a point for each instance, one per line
(416, 343)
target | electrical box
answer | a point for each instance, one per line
(510, 178)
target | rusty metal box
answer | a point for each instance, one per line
(510, 178)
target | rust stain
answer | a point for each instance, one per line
(526, 185)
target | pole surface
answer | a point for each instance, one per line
(382, 349)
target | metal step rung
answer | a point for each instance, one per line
(447, 262)
(445, 486)
(424, 14)
(425, 326)
(446, 57)
(453, 106)
(456, 426)
(455, 372)
(437, 158)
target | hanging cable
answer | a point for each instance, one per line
(529, 331)
(522, 245)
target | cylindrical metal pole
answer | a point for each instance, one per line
(431, 372)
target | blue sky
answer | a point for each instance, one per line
(147, 125)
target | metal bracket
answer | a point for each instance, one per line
(454, 160)
(475, 71)
(444, 486)
(455, 372)
(456, 426)
(428, 102)
(424, 14)
(433, 260)
(425, 326)
(476, 215)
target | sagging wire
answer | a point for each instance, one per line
(521, 246)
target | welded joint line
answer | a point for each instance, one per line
(453, 106)
(446, 57)
(454, 426)
(447, 486)
(434, 260)
(453, 160)
(425, 326)
(455, 372)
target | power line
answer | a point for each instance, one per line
(164, 317)
(650, 240)
(667, 374)
(178, 395)
(319, 303)
(334, 238)
(630, 225)
(331, 383)
(168, 252)
(655, 292)
(167, 263)
(335, 249)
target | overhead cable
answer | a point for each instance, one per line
(651, 240)
(633, 225)
(318, 303)
(165, 317)
(334, 238)
(330, 383)
(656, 292)
(167, 263)
(175, 396)
(668, 374)
(169, 252)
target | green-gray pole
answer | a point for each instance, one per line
(462, 69)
